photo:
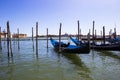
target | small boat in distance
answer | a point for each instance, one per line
(68, 48)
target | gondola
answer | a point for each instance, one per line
(98, 47)
(114, 47)
(113, 40)
(68, 48)
(78, 42)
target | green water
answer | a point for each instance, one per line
(51, 65)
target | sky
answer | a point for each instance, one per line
(24, 14)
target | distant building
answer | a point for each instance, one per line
(19, 35)
(3, 35)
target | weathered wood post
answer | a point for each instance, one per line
(90, 32)
(115, 33)
(9, 45)
(8, 38)
(0, 40)
(47, 39)
(93, 32)
(110, 33)
(78, 30)
(60, 37)
(88, 37)
(101, 36)
(36, 38)
(80, 34)
(104, 35)
(32, 39)
(18, 39)
(4, 37)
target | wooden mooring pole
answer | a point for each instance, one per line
(110, 33)
(78, 30)
(88, 37)
(104, 35)
(93, 32)
(9, 45)
(60, 37)
(0, 40)
(115, 33)
(18, 39)
(4, 38)
(95, 36)
(36, 38)
(47, 39)
(101, 36)
(33, 38)
(80, 33)
(90, 34)
(8, 38)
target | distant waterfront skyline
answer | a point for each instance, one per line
(24, 14)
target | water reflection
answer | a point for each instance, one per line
(110, 54)
(74, 58)
(51, 65)
(106, 63)
(80, 67)
(10, 68)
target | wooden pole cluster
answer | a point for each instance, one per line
(9, 44)
(37, 38)
(32, 39)
(60, 37)
(0, 40)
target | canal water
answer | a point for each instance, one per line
(51, 65)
